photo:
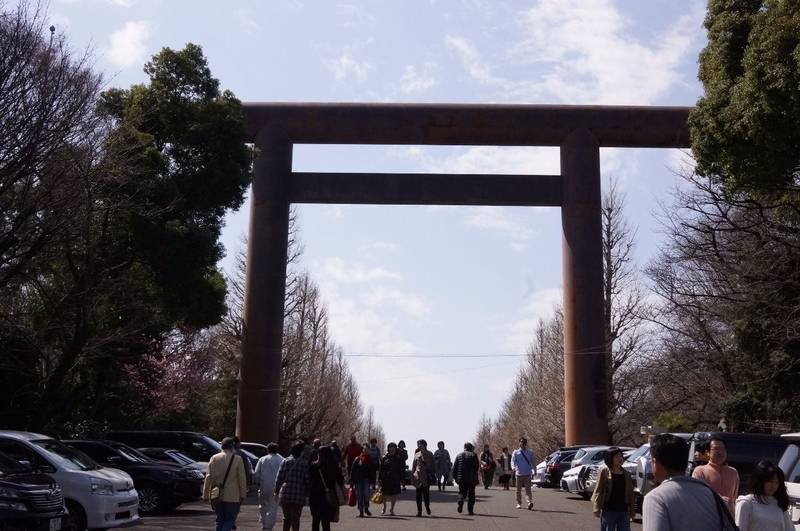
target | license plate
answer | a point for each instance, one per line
(55, 524)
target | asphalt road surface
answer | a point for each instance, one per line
(495, 509)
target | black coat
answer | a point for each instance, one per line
(362, 471)
(391, 474)
(465, 468)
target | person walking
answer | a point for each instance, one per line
(265, 475)
(225, 485)
(291, 486)
(248, 466)
(504, 461)
(679, 503)
(488, 466)
(403, 453)
(442, 465)
(718, 475)
(325, 476)
(612, 500)
(360, 473)
(374, 454)
(765, 508)
(390, 477)
(522, 464)
(423, 472)
(351, 452)
(465, 473)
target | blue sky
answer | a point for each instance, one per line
(428, 280)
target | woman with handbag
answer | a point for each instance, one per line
(326, 482)
(390, 477)
(488, 466)
(225, 485)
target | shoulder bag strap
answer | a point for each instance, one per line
(722, 510)
(526, 458)
(225, 479)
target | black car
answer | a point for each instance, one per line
(161, 486)
(744, 451)
(28, 501)
(560, 463)
(198, 446)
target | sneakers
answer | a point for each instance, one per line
(530, 506)
(383, 511)
(428, 509)
(460, 507)
(519, 506)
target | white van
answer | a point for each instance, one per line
(96, 497)
(790, 464)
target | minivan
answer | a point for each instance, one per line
(744, 450)
(96, 497)
(28, 500)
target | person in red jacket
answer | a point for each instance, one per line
(351, 451)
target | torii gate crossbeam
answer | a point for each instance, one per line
(579, 131)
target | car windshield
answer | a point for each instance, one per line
(580, 453)
(10, 466)
(214, 445)
(67, 457)
(130, 454)
(639, 452)
(179, 458)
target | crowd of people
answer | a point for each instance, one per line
(317, 475)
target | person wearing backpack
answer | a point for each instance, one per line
(225, 485)
(522, 463)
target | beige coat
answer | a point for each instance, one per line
(422, 468)
(235, 487)
(602, 491)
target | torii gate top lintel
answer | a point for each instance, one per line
(470, 124)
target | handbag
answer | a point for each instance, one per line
(217, 491)
(377, 497)
(351, 497)
(331, 497)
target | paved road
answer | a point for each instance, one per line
(495, 509)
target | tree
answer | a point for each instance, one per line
(746, 128)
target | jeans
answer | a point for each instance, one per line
(267, 508)
(362, 494)
(615, 521)
(291, 516)
(466, 491)
(423, 493)
(226, 515)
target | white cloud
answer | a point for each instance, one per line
(539, 305)
(471, 59)
(384, 246)
(355, 15)
(346, 65)
(409, 303)
(121, 3)
(417, 80)
(590, 58)
(356, 273)
(247, 22)
(128, 43)
(501, 220)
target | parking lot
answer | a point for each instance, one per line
(495, 509)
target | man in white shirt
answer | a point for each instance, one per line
(522, 463)
(679, 502)
(265, 474)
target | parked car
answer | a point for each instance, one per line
(175, 457)
(790, 464)
(29, 501)
(575, 480)
(198, 446)
(556, 467)
(257, 449)
(745, 450)
(161, 486)
(538, 473)
(95, 497)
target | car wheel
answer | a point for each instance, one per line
(150, 499)
(76, 519)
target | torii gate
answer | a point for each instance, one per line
(579, 131)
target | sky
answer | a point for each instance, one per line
(422, 281)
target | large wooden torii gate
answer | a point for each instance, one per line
(579, 131)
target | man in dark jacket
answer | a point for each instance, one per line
(465, 473)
